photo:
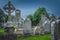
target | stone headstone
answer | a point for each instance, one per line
(47, 26)
(52, 29)
(55, 30)
(41, 24)
(27, 27)
(18, 15)
(19, 32)
(9, 34)
(37, 30)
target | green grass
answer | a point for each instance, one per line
(1, 31)
(37, 37)
(15, 26)
(41, 37)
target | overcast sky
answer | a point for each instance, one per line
(30, 6)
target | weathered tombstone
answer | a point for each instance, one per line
(19, 32)
(41, 24)
(27, 27)
(52, 29)
(37, 30)
(19, 20)
(47, 26)
(58, 30)
(9, 34)
(18, 15)
(55, 30)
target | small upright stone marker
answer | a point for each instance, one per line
(27, 27)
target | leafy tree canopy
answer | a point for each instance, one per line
(37, 16)
(3, 16)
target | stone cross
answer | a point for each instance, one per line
(9, 8)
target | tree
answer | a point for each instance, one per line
(2, 14)
(53, 17)
(31, 17)
(37, 16)
(3, 17)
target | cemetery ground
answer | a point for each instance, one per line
(36, 37)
